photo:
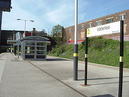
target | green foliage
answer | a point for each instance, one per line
(58, 34)
(57, 31)
(58, 40)
(101, 51)
(62, 51)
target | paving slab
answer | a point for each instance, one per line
(102, 79)
(2, 65)
(22, 79)
(54, 78)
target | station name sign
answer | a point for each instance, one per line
(106, 29)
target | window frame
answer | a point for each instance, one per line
(98, 23)
(107, 20)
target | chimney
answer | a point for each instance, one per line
(34, 32)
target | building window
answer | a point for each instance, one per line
(122, 16)
(81, 27)
(110, 20)
(71, 30)
(90, 24)
(98, 23)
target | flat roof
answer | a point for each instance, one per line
(35, 38)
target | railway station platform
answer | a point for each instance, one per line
(54, 78)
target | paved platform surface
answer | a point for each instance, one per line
(54, 78)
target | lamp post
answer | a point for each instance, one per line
(25, 24)
(75, 55)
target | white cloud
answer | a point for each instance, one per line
(46, 14)
(10, 19)
(60, 15)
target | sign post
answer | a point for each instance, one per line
(121, 58)
(75, 55)
(86, 57)
(111, 28)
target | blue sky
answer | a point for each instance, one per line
(47, 13)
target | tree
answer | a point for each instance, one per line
(58, 33)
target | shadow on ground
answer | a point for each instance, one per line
(104, 78)
(107, 95)
(56, 59)
(48, 59)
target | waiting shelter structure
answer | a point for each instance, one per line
(32, 47)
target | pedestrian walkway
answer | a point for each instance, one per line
(21, 79)
(54, 78)
(102, 80)
(2, 65)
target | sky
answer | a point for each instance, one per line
(48, 13)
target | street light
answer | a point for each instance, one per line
(75, 55)
(25, 24)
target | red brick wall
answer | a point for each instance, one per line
(81, 29)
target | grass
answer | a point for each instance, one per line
(100, 51)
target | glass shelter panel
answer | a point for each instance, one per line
(34, 48)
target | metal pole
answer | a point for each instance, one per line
(75, 55)
(0, 24)
(25, 25)
(121, 58)
(18, 50)
(25, 28)
(86, 58)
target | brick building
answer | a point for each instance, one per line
(97, 22)
(9, 37)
